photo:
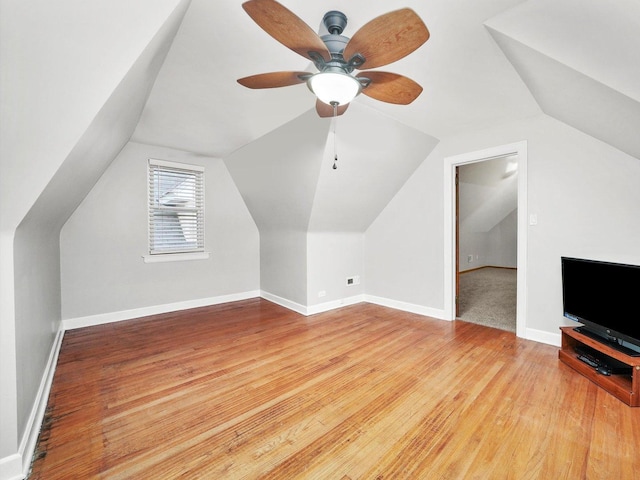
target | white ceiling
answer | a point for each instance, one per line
(600, 39)
(196, 104)
(487, 62)
(581, 62)
(287, 180)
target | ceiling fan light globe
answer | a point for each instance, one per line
(332, 87)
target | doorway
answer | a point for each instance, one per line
(486, 242)
(519, 150)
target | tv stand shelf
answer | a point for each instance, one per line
(624, 387)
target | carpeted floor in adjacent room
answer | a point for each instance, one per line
(487, 296)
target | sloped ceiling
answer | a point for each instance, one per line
(103, 139)
(196, 104)
(287, 180)
(488, 193)
(376, 155)
(581, 62)
(486, 62)
(277, 174)
(63, 84)
(277, 150)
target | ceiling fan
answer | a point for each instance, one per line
(383, 40)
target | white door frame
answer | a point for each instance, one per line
(450, 164)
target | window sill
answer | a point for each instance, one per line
(175, 257)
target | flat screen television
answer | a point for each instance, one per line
(604, 297)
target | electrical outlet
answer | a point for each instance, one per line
(322, 293)
(469, 258)
(355, 280)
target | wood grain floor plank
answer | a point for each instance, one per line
(252, 390)
(295, 402)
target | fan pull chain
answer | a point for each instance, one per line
(335, 141)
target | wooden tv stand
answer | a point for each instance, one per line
(623, 387)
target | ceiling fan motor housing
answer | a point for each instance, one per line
(335, 44)
(335, 22)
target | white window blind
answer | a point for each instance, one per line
(176, 207)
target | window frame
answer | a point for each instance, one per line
(177, 254)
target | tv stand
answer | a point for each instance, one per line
(625, 386)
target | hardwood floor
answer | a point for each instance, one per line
(252, 390)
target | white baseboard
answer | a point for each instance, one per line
(406, 307)
(327, 306)
(11, 467)
(283, 302)
(541, 336)
(343, 302)
(100, 319)
(313, 309)
(16, 466)
(30, 438)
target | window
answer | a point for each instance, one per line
(176, 208)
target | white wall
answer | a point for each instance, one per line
(103, 242)
(403, 247)
(331, 258)
(497, 248)
(283, 265)
(584, 193)
(476, 245)
(312, 217)
(503, 242)
(37, 304)
(277, 178)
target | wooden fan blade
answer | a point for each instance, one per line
(286, 27)
(387, 38)
(391, 87)
(325, 110)
(273, 79)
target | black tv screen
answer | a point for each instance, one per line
(603, 296)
